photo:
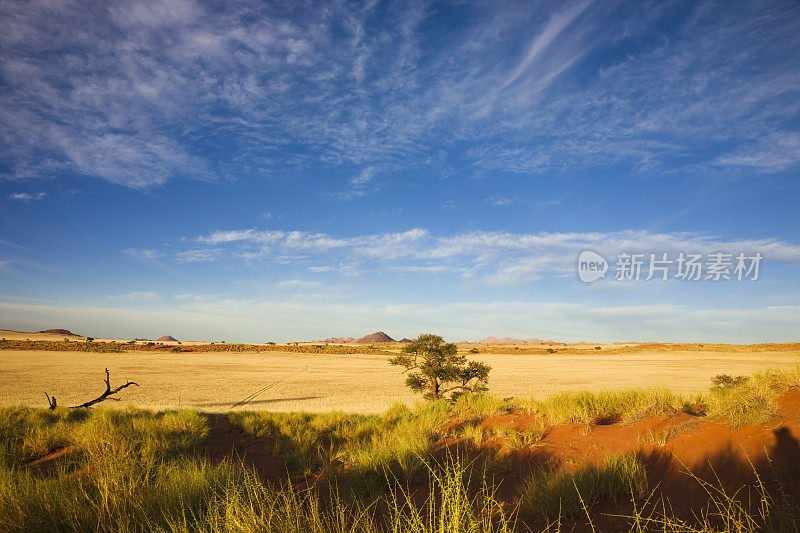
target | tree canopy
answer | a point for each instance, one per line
(436, 369)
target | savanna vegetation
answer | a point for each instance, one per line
(437, 467)
(123, 347)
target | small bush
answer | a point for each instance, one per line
(727, 381)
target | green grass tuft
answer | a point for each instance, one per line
(552, 494)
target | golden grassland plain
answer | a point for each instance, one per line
(360, 383)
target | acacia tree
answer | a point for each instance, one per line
(436, 368)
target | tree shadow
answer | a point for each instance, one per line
(765, 485)
(260, 402)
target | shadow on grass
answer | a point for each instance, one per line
(260, 402)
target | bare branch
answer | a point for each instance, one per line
(51, 401)
(108, 392)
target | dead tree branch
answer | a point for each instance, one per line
(106, 395)
(51, 401)
(103, 397)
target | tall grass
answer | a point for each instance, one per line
(606, 406)
(750, 401)
(555, 494)
(131, 470)
(398, 442)
(125, 467)
(140, 471)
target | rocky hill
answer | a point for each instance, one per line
(378, 336)
(60, 331)
(339, 340)
(372, 338)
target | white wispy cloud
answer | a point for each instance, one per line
(199, 256)
(377, 245)
(497, 257)
(298, 284)
(498, 200)
(544, 39)
(27, 197)
(151, 258)
(144, 297)
(146, 255)
(775, 153)
(148, 90)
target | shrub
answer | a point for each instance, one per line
(727, 381)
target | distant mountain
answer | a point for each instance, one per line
(378, 336)
(339, 340)
(167, 338)
(59, 331)
(404, 340)
(509, 340)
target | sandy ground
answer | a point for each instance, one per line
(354, 383)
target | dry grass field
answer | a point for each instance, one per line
(618, 457)
(213, 382)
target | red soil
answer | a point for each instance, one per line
(709, 449)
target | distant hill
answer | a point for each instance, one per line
(404, 340)
(167, 338)
(378, 336)
(59, 331)
(339, 340)
(509, 340)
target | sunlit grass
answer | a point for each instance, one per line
(135, 470)
(554, 494)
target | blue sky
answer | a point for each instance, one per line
(297, 170)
